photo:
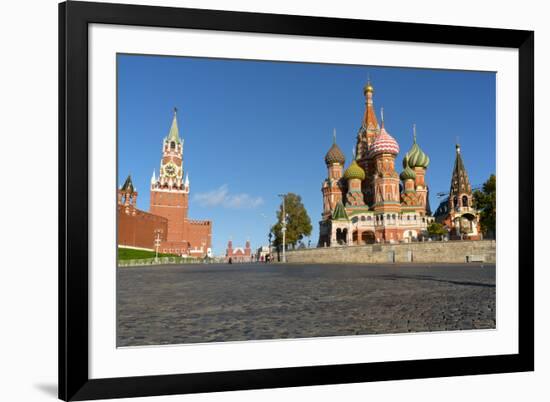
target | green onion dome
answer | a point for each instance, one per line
(335, 155)
(354, 171)
(417, 157)
(407, 174)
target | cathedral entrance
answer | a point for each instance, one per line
(467, 224)
(341, 236)
(368, 237)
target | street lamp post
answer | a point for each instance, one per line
(157, 243)
(283, 196)
(269, 237)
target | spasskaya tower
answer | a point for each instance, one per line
(170, 199)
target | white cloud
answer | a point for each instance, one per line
(222, 197)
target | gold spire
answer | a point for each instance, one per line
(368, 88)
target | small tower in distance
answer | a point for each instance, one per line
(127, 196)
(462, 218)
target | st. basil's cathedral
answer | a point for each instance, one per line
(370, 202)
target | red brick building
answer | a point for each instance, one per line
(238, 254)
(167, 222)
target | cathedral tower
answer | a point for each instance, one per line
(386, 180)
(366, 136)
(418, 161)
(460, 194)
(332, 186)
(461, 217)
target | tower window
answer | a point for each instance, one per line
(172, 145)
(465, 201)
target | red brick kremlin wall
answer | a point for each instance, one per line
(194, 234)
(137, 228)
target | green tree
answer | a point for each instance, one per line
(298, 224)
(485, 200)
(436, 229)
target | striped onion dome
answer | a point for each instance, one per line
(407, 173)
(384, 144)
(417, 157)
(354, 171)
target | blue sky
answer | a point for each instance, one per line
(255, 129)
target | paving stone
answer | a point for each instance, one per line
(217, 303)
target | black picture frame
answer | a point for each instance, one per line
(74, 18)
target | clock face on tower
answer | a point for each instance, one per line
(170, 170)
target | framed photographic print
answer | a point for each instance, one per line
(257, 200)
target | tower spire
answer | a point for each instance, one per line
(334, 135)
(414, 133)
(174, 134)
(382, 116)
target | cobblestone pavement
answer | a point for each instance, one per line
(216, 303)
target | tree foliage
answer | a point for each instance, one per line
(298, 224)
(485, 201)
(437, 229)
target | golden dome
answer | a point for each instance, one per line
(368, 88)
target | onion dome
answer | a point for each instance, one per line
(384, 142)
(417, 157)
(335, 154)
(368, 88)
(407, 173)
(354, 171)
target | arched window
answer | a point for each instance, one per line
(172, 145)
(388, 217)
(408, 217)
(465, 201)
(369, 218)
(415, 217)
(393, 216)
(363, 218)
(455, 202)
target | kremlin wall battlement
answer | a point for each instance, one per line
(418, 252)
